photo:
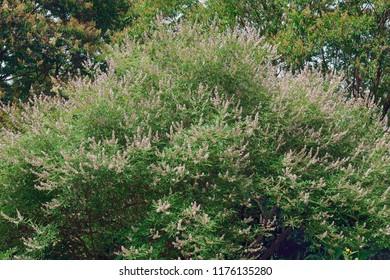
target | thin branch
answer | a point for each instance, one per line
(272, 249)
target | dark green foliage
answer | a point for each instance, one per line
(43, 42)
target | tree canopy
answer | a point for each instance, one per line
(45, 41)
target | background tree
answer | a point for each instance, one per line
(143, 15)
(107, 15)
(44, 40)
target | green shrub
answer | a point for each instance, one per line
(190, 147)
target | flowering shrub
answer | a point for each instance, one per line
(190, 147)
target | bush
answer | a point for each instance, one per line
(190, 147)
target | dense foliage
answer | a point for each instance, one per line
(144, 12)
(352, 36)
(43, 41)
(191, 147)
